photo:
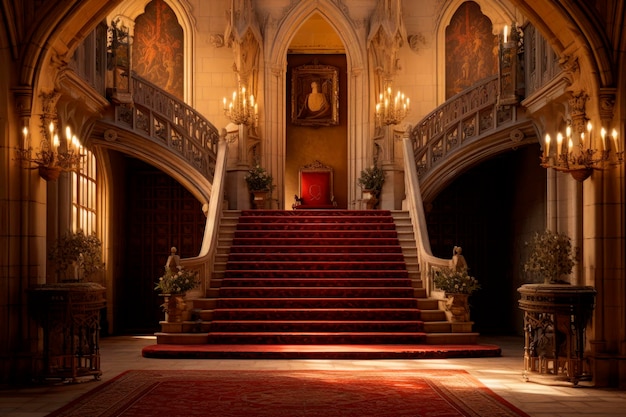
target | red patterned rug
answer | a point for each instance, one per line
(425, 393)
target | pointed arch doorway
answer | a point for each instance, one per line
(316, 45)
(354, 102)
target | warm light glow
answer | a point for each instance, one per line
(603, 136)
(242, 110)
(546, 150)
(25, 131)
(614, 135)
(559, 143)
(391, 108)
(506, 34)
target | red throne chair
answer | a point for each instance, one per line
(316, 187)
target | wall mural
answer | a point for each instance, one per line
(158, 48)
(471, 49)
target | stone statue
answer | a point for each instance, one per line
(458, 260)
(173, 261)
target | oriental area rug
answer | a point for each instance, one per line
(310, 393)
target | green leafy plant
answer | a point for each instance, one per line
(177, 281)
(372, 178)
(550, 257)
(77, 255)
(455, 282)
(258, 179)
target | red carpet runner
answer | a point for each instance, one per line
(441, 393)
(316, 277)
(317, 284)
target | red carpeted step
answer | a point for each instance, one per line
(290, 326)
(318, 302)
(320, 265)
(317, 338)
(308, 292)
(237, 258)
(245, 219)
(350, 314)
(315, 249)
(316, 213)
(318, 241)
(318, 226)
(304, 235)
(316, 282)
(303, 273)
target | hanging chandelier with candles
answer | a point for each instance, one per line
(392, 107)
(242, 109)
(54, 156)
(575, 152)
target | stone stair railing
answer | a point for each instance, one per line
(472, 121)
(168, 121)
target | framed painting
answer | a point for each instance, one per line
(315, 95)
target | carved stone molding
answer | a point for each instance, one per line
(416, 41)
(607, 104)
(577, 110)
(217, 40)
(23, 101)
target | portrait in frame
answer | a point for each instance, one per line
(315, 95)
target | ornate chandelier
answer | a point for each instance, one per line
(391, 108)
(242, 110)
(575, 153)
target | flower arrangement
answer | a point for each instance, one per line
(455, 282)
(550, 256)
(258, 179)
(177, 281)
(372, 178)
(83, 252)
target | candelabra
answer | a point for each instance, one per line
(579, 160)
(242, 110)
(391, 108)
(53, 157)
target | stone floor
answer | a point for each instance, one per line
(503, 375)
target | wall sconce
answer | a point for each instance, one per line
(391, 108)
(53, 157)
(580, 159)
(242, 110)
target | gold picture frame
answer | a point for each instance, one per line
(315, 95)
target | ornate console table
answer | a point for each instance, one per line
(555, 319)
(70, 317)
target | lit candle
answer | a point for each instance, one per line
(603, 136)
(51, 129)
(546, 149)
(614, 135)
(582, 140)
(55, 142)
(570, 145)
(568, 132)
(407, 102)
(589, 129)
(224, 103)
(506, 33)
(25, 133)
(559, 143)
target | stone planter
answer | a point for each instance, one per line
(458, 306)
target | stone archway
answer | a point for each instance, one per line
(277, 41)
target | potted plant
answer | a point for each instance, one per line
(173, 285)
(260, 183)
(258, 179)
(550, 257)
(76, 256)
(371, 181)
(457, 285)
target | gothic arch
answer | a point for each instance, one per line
(276, 48)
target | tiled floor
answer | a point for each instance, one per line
(502, 375)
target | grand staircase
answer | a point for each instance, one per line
(316, 283)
